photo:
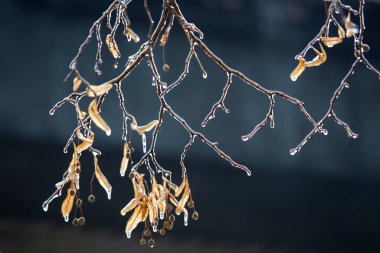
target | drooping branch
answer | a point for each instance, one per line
(350, 30)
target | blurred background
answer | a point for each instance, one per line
(324, 199)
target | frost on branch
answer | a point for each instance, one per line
(156, 196)
(331, 34)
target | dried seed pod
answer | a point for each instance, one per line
(166, 67)
(112, 46)
(297, 72)
(143, 129)
(101, 178)
(142, 241)
(190, 204)
(331, 41)
(172, 218)
(75, 222)
(95, 117)
(76, 83)
(162, 231)
(91, 199)
(68, 203)
(147, 232)
(125, 160)
(185, 196)
(139, 215)
(98, 90)
(195, 216)
(81, 221)
(366, 48)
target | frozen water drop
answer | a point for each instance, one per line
(109, 194)
(77, 185)
(144, 142)
(45, 207)
(66, 217)
(293, 151)
(245, 138)
(154, 228)
(185, 217)
(204, 74)
(128, 234)
(162, 215)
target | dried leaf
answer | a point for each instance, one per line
(341, 32)
(331, 41)
(131, 34)
(98, 90)
(112, 46)
(185, 197)
(81, 114)
(170, 184)
(125, 160)
(181, 187)
(139, 215)
(95, 116)
(319, 59)
(297, 72)
(143, 129)
(68, 203)
(86, 142)
(76, 83)
(351, 28)
(101, 178)
(132, 204)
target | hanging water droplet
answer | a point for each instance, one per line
(185, 217)
(154, 228)
(245, 138)
(77, 185)
(162, 215)
(293, 151)
(128, 234)
(109, 194)
(204, 74)
(144, 142)
(116, 65)
(66, 217)
(45, 207)
(164, 85)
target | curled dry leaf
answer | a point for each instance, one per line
(95, 117)
(130, 206)
(319, 59)
(143, 129)
(125, 160)
(112, 46)
(98, 90)
(101, 178)
(76, 83)
(185, 197)
(351, 28)
(68, 203)
(297, 72)
(331, 41)
(86, 142)
(81, 114)
(132, 35)
(341, 32)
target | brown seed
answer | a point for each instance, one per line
(142, 241)
(172, 218)
(147, 232)
(168, 225)
(366, 48)
(72, 192)
(357, 53)
(77, 171)
(166, 67)
(75, 222)
(79, 203)
(131, 176)
(190, 204)
(162, 231)
(81, 221)
(91, 199)
(169, 208)
(151, 243)
(195, 216)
